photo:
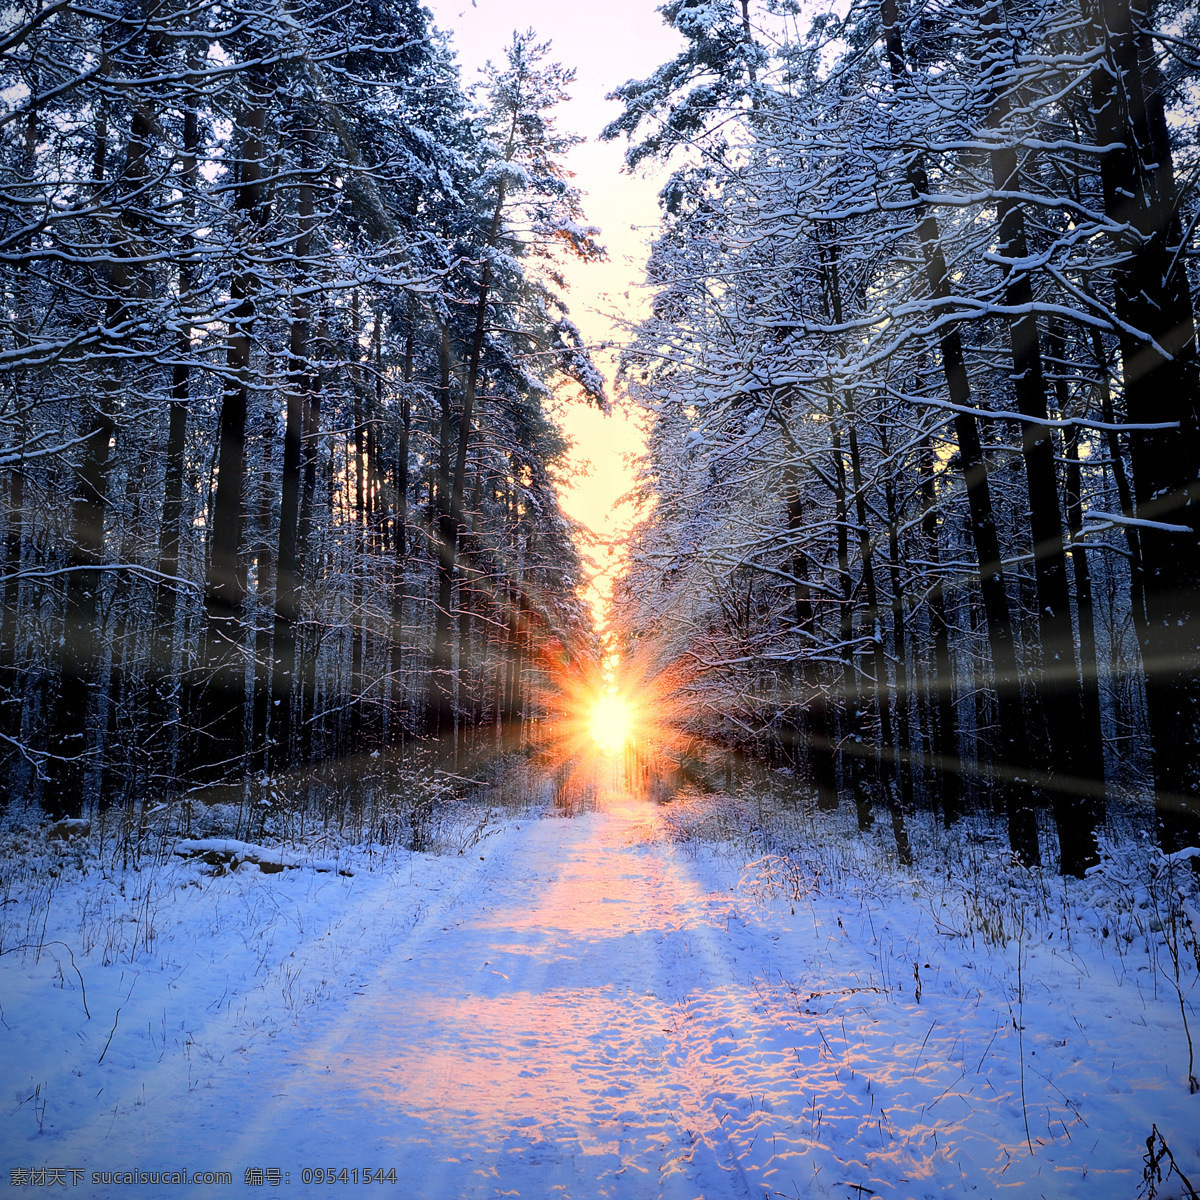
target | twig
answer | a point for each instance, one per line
(71, 956)
(1152, 1172)
(41, 946)
(110, 1038)
(922, 1050)
(1021, 1028)
(986, 1048)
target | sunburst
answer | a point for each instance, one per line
(611, 722)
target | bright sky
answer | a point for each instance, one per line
(607, 45)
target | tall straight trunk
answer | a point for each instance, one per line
(400, 535)
(381, 526)
(1092, 740)
(881, 698)
(502, 655)
(358, 624)
(377, 509)
(121, 748)
(359, 431)
(375, 713)
(853, 748)
(1137, 597)
(512, 714)
(515, 639)
(163, 698)
(853, 751)
(885, 746)
(466, 601)
(903, 691)
(14, 532)
(69, 730)
(1161, 371)
(151, 704)
(439, 707)
(503, 612)
(1010, 776)
(475, 361)
(300, 386)
(264, 602)
(10, 599)
(1083, 595)
(1076, 777)
(402, 449)
(521, 643)
(307, 648)
(451, 519)
(223, 720)
(813, 699)
(943, 734)
(887, 761)
(462, 676)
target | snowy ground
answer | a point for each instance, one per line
(635, 1001)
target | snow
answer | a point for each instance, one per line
(234, 851)
(1118, 519)
(697, 999)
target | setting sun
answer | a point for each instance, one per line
(612, 721)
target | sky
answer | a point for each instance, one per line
(607, 45)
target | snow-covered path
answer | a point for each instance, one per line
(572, 1014)
(532, 1040)
(596, 1007)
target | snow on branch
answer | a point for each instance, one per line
(1006, 414)
(1138, 522)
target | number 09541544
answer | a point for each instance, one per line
(348, 1175)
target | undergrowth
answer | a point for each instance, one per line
(1137, 906)
(130, 853)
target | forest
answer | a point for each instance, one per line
(282, 318)
(284, 328)
(920, 497)
(851, 852)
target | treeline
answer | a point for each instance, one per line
(923, 489)
(280, 316)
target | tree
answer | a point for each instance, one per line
(531, 210)
(874, 209)
(233, 240)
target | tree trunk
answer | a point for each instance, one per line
(165, 701)
(903, 691)
(887, 761)
(1157, 337)
(223, 720)
(400, 534)
(301, 384)
(451, 518)
(439, 708)
(307, 648)
(1058, 685)
(813, 699)
(1092, 737)
(69, 727)
(14, 533)
(1010, 777)
(852, 749)
(358, 623)
(943, 737)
